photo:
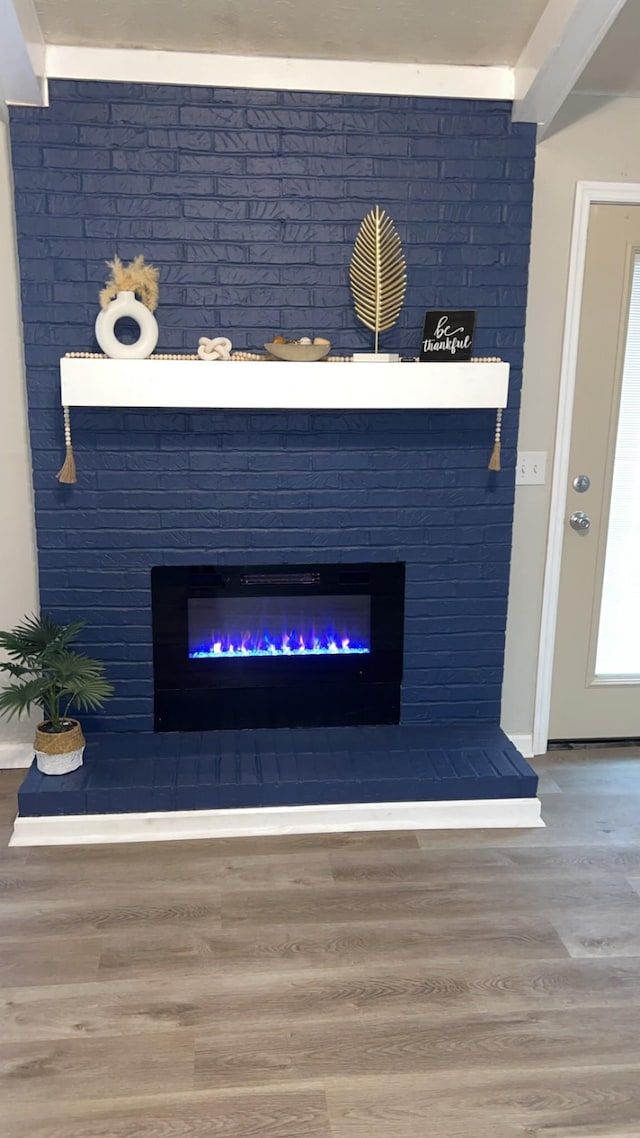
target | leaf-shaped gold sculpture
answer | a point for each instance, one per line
(378, 273)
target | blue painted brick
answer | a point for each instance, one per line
(74, 158)
(154, 161)
(214, 117)
(246, 142)
(279, 119)
(181, 140)
(405, 121)
(149, 114)
(520, 169)
(368, 145)
(113, 136)
(211, 164)
(57, 180)
(249, 202)
(414, 168)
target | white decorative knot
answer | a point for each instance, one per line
(217, 349)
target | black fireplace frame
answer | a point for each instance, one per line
(204, 694)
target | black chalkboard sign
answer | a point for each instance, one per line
(447, 336)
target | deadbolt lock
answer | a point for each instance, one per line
(582, 483)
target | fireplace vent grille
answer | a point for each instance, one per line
(259, 579)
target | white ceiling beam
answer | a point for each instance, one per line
(22, 54)
(564, 40)
(134, 65)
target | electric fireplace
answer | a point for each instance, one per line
(277, 645)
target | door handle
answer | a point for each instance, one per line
(580, 522)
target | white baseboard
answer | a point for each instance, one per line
(13, 755)
(524, 744)
(79, 829)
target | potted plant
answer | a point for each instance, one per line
(49, 674)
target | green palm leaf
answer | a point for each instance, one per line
(13, 669)
(378, 273)
(17, 699)
(48, 673)
(82, 680)
(37, 634)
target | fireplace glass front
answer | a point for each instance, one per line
(275, 646)
(223, 627)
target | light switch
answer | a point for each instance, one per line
(531, 468)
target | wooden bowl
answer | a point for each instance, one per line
(298, 353)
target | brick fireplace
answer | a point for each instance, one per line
(248, 202)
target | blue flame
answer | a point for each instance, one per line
(287, 644)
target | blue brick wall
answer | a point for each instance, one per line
(249, 202)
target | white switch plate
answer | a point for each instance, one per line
(531, 468)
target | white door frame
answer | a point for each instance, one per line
(587, 194)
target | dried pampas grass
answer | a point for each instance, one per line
(135, 277)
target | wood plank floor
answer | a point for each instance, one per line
(410, 985)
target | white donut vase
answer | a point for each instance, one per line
(125, 304)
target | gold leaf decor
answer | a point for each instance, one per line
(378, 273)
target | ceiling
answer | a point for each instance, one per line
(399, 31)
(615, 67)
(534, 52)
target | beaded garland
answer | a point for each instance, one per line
(249, 357)
(238, 356)
(102, 356)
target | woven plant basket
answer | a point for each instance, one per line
(59, 753)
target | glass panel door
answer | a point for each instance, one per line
(618, 650)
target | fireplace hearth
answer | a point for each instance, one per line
(277, 645)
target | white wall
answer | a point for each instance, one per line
(595, 138)
(18, 581)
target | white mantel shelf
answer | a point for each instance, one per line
(276, 386)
